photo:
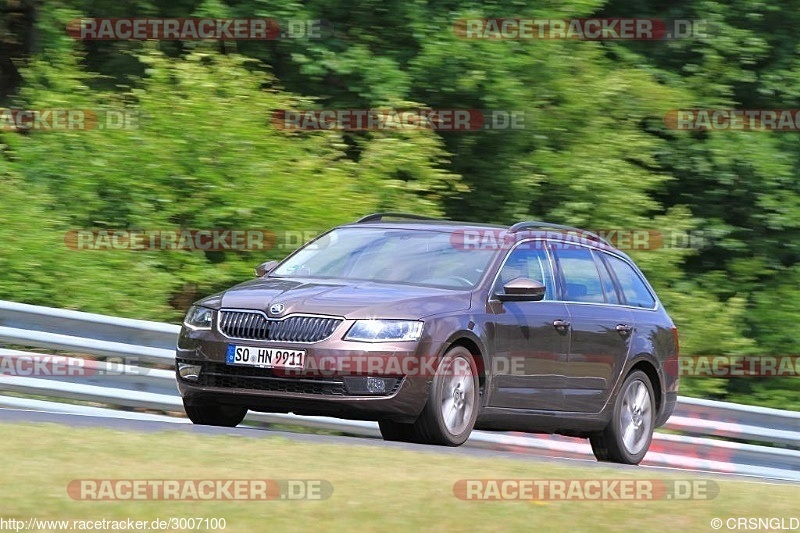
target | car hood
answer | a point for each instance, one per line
(347, 299)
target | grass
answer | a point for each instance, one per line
(375, 488)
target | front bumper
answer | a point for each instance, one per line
(331, 385)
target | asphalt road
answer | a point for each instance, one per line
(13, 416)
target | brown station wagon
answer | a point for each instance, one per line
(435, 328)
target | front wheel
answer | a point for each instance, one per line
(215, 415)
(627, 436)
(452, 407)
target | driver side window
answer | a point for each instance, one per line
(528, 260)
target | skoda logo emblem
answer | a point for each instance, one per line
(276, 309)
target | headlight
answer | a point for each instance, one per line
(199, 317)
(384, 330)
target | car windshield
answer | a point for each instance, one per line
(413, 256)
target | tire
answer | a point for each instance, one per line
(452, 407)
(627, 437)
(396, 431)
(215, 415)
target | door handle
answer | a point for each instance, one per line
(624, 329)
(561, 325)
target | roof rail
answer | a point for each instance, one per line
(535, 224)
(378, 217)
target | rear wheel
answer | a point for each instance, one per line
(215, 415)
(627, 436)
(452, 407)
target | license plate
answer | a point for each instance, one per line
(265, 357)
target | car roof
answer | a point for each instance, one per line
(451, 226)
(447, 226)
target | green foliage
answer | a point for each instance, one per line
(204, 156)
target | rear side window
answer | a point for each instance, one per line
(581, 279)
(633, 288)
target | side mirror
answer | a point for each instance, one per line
(522, 290)
(265, 268)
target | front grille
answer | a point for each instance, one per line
(256, 326)
(263, 379)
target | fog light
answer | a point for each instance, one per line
(189, 372)
(370, 385)
(376, 385)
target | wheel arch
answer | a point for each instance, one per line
(469, 340)
(644, 364)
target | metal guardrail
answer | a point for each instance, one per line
(702, 424)
(88, 333)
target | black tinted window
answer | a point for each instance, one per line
(633, 288)
(582, 281)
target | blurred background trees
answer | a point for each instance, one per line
(594, 153)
